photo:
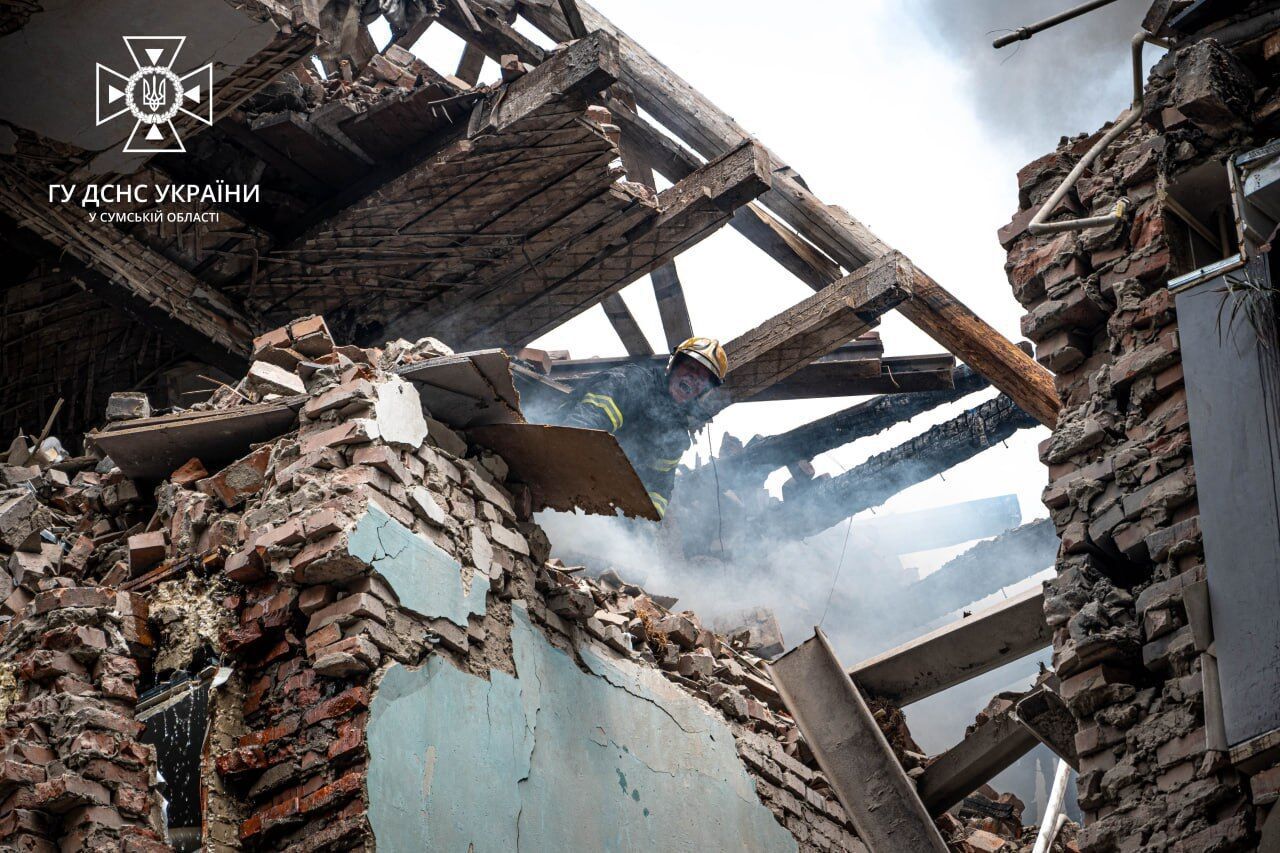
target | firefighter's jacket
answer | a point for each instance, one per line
(633, 403)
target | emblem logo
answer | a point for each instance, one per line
(154, 94)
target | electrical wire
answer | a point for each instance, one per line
(716, 472)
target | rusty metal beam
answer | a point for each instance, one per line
(852, 751)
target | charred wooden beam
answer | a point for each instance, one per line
(870, 484)
(610, 259)
(957, 652)
(841, 377)
(126, 272)
(709, 130)
(814, 327)
(667, 290)
(767, 453)
(984, 569)
(624, 323)
(864, 350)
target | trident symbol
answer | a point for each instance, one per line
(153, 93)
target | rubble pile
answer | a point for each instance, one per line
(283, 543)
(1122, 490)
(282, 569)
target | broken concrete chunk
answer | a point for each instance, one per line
(267, 378)
(446, 439)
(21, 519)
(127, 405)
(353, 394)
(398, 414)
(508, 538)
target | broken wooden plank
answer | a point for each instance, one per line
(813, 327)
(568, 468)
(467, 389)
(851, 750)
(153, 448)
(964, 768)
(460, 390)
(957, 652)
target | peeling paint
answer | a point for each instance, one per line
(425, 578)
(518, 763)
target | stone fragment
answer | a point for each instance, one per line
(128, 405)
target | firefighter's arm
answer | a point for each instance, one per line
(603, 406)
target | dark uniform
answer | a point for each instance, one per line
(633, 403)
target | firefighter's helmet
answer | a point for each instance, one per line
(705, 351)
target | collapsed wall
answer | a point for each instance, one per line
(384, 653)
(1129, 646)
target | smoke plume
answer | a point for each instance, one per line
(1065, 80)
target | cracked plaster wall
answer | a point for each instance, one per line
(615, 758)
(425, 578)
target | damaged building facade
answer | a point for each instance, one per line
(1159, 327)
(289, 593)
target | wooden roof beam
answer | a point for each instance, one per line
(709, 130)
(125, 272)
(686, 214)
(814, 327)
(957, 652)
(666, 156)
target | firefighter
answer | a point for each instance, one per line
(652, 410)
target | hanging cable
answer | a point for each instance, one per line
(716, 472)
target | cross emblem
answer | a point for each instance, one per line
(154, 94)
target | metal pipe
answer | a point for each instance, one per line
(1038, 225)
(1031, 29)
(1057, 799)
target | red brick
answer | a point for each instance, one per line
(329, 795)
(336, 706)
(190, 471)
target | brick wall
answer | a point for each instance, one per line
(1121, 468)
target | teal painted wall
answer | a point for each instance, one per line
(617, 759)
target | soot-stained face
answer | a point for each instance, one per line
(688, 380)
